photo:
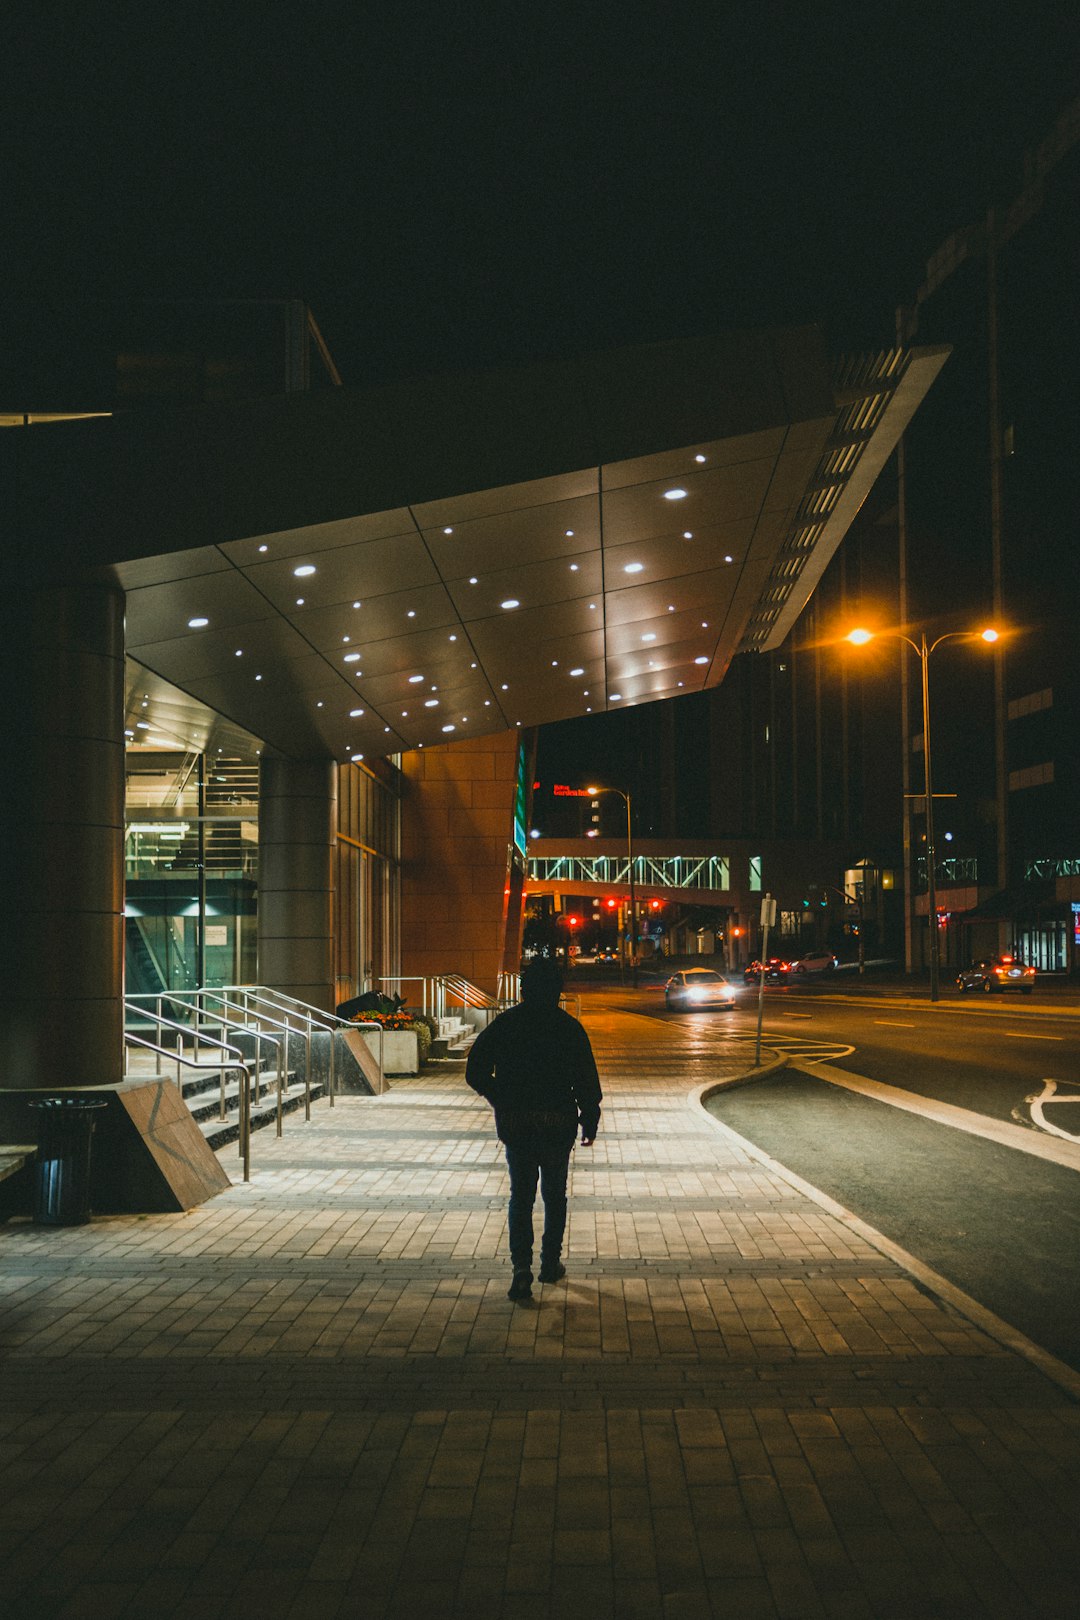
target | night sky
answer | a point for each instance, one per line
(455, 185)
(452, 185)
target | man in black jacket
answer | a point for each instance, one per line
(535, 1065)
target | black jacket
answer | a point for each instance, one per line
(535, 1065)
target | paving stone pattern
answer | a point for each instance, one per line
(311, 1399)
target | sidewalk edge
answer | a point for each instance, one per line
(993, 1326)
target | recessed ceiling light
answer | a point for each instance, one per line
(699, 458)
(354, 714)
(386, 728)
(404, 714)
(674, 494)
(431, 703)
(453, 638)
(356, 758)
(473, 580)
(449, 728)
(258, 677)
(304, 570)
(504, 687)
(239, 652)
(448, 531)
(671, 607)
(346, 638)
(197, 624)
(487, 703)
(262, 548)
(142, 725)
(569, 534)
(358, 604)
(511, 602)
(554, 663)
(649, 636)
(688, 534)
(471, 666)
(318, 705)
(299, 601)
(585, 693)
(573, 568)
(727, 559)
(577, 672)
(680, 683)
(352, 658)
(701, 660)
(592, 607)
(633, 568)
(616, 697)
(414, 678)
(411, 613)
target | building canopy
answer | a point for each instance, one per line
(361, 572)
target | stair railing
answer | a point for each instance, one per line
(131, 1039)
(316, 1017)
(200, 1041)
(197, 1000)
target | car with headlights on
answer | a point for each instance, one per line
(698, 987)
(997, 973)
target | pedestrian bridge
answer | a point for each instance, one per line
(705, 879)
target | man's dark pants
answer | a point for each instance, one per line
(549, 1162)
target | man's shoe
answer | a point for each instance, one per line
(552, 1271)
(521, 1287)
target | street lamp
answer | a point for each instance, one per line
(596, 791)
(859, 638)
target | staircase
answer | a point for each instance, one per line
(202, 1093)
(453, 1040)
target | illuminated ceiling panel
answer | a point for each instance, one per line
(487, 551)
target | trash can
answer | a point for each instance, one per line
(62, 1169)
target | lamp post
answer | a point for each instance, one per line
(859, 638)
(596, 791)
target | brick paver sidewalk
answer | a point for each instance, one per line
(311, 1398)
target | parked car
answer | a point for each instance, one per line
(992, 973)
(776, 971)
(607, 955)
(815, 962)
(698, 987)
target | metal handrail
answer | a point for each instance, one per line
(245, 1090)
(203, 1040)
(259, 1033)
(316, 1016)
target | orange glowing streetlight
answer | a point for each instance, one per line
(859, 638)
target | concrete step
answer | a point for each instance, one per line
(220, 1132)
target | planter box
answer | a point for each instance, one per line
(400, 1051)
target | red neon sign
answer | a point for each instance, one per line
(561, 791)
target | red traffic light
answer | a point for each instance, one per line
(611, 904)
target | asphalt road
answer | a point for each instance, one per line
(999, 1222)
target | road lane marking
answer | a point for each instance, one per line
(893, 1023)
(1050, 1093)
(1022, 1035)
(796, 1015)
(943, 1113)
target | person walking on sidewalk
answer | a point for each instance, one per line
(534, 1064)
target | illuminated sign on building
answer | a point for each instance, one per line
(561, 791)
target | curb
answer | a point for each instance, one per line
(1010, 1338)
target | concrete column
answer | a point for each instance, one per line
(297, 834)
(62, 743)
